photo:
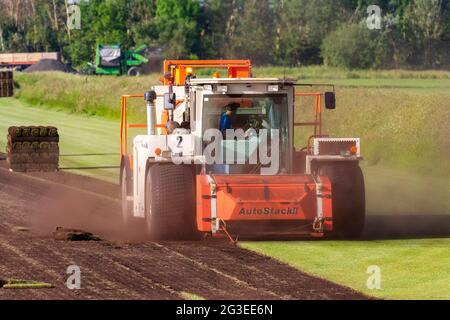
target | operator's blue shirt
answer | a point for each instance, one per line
(225, 122)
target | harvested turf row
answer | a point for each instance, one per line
(106, 282)
(241, 263)
(117, 274)
(50, 254)
(184, 275)
(227, 280)
(233, 268)
(167, 270)
(132, 278)
(132, 282)
(9, 271)
(267, 279)
(272, 277)
(19, 265)
(96, 283)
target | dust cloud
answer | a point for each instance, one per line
(82, 209)
(405, 204)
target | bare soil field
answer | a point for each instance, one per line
(122, 266)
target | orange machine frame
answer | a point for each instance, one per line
(317, 123)
(175, 70)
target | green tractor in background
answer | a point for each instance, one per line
(113, 60)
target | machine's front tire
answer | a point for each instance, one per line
(348, 198)
(134, 227)
(170, 202)
(126, 188)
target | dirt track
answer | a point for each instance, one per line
(120, 269)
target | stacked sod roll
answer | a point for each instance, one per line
(6, 84)
(33, 148)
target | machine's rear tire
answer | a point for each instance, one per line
(170, 202)
(135, 72)
(348, 198)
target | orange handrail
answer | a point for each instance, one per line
(317, 123)
(124, 124)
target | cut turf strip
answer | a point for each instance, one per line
(24, 284)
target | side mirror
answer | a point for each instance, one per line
(169, 101)
(330, 100)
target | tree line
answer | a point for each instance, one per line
(343, 33)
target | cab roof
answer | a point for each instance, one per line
(200, 81)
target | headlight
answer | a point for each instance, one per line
(273, 88)
(222, 89)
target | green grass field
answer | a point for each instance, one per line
(410, 269)
(401, 116)
(429, 80)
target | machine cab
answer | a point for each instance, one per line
(250, 117)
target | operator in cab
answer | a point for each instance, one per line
(227, 117)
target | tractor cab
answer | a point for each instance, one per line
(250, 117)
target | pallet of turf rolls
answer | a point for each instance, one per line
(33, 148)
(6, 84)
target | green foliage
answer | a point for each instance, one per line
(141, 21)
(220, 18)
(425, 25)
(178, 31)
(253, 37)
(415, 33)
(303, 24)
(355, 46)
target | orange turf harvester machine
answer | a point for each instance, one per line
(218, 157)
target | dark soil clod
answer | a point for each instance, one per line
(63, 234)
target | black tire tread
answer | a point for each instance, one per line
(348, 196)
(173, 201)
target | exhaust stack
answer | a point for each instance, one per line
(150, 98)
